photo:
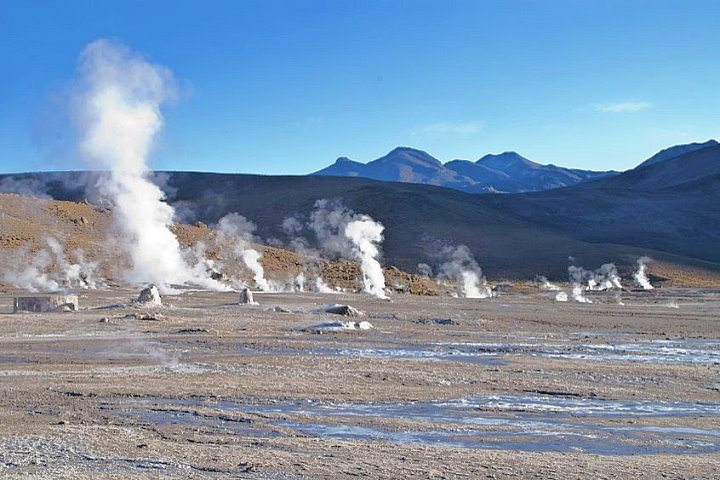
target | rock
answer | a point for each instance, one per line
(46, 303)
(150, 296)
(280, 310)
(246, 297)
(184, 331)
(436, 321)
(104, 320)
(215, 275)
(145, 316)
(502, 288)
(344, 310)
(338, 326)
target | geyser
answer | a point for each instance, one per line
(366, 235)
(236, 233)
(640, 274)
(342, 232)
(461, 266)
(604, 278)
(119, 115)
(51, 270)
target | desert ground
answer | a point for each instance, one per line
(517, 386)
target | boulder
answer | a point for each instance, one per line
(344, 310)
(219, 276)
(150, 296)
(46, 303)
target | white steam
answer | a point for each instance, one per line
(604, 278)
(579, 295)
(50, 270)
(461, 266)
(343, 233)
(546, 285)
(366, 235)
(238, 232)
(119, 106)
(640, 274)
(82, 274)
(424, 269)
(299, 283)
(251, 259)
(322, 287)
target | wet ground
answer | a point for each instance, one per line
(514, 386)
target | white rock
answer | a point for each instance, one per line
(246, 297)
(150, 296)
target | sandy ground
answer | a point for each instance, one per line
(516, 386)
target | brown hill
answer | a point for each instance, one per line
(27, 222)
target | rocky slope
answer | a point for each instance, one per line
(85, 231)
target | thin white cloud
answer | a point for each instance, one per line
(467, 128)
(621, 107)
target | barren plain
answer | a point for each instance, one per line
(509, 387)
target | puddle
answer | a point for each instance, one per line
(654, 351)
(524, 423)
(429, 353)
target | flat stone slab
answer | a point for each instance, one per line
(46, 303)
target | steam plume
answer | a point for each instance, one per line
(119, 106)
(238, 232)
(342, 232)
(424, 269)
(546, 285)
(366, 235)
(322, 287)
(640, 274)
(299, 283)
(604, 278)
(50, 270)
(578, 295)
(464, 269)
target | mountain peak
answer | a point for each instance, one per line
(409, 154)
(504, 160)
(677, 150)
(401, 148)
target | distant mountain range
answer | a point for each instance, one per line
(508, 172)
(668, 210)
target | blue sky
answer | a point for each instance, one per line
(288, 86)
